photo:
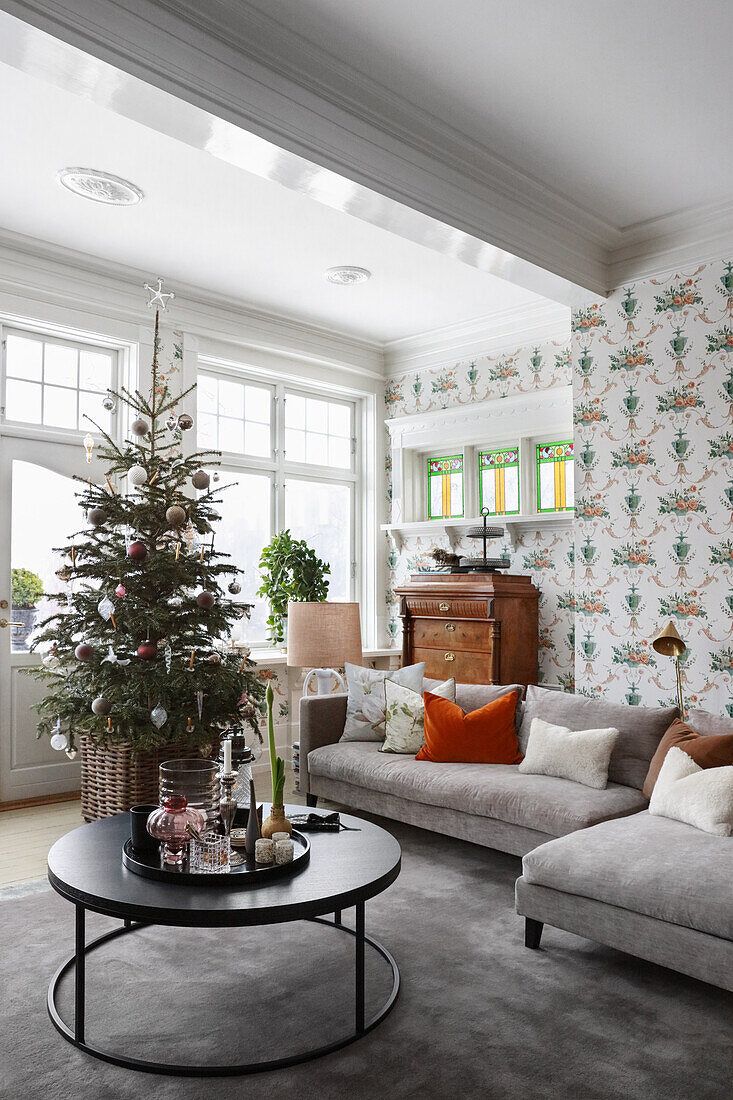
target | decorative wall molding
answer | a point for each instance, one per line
(502, 331)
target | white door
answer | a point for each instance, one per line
(39, 511)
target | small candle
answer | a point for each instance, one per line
(114, 624)
(227, 755)
(190, 663)
(284, 850)
(280, 836)
(178, 550)
(263, 850)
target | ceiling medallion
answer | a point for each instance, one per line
(347, 276)
(88, 183)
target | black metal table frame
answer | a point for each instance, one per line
(77, 1036)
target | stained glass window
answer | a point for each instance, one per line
(555, 477)
(445, 487)
(499, 481)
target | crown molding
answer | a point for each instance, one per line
(661, 245)
(495, 333)
(35, 271)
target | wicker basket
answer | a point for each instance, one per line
(116, 777)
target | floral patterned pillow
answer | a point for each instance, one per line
(366, 705)
(405, 722)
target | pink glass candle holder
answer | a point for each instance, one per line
(168, 825)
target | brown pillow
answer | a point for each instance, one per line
(714, 750)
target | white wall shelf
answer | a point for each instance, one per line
(455, 529)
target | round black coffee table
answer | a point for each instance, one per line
(345, 869)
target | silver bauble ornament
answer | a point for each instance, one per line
(158, 716)
(171, 423)
(185, 422)
(71, 753)
(59, 741)
(200, 479)
(214, 658)
(139, 427)
(137, 475)
(109, 403)
(97, 516)
(235, 588)
(101, 706)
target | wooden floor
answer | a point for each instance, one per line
(27, 834)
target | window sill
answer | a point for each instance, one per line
(274, 658)
(454, 528)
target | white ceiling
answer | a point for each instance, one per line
(620, 107)
(211, 225)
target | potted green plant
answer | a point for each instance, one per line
(26, 589)
(290, 571)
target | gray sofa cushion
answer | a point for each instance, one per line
(640, 728)
(651, 865)
(702, 721)
(540, 802)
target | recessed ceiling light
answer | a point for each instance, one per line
(100, 186)
(348, 276)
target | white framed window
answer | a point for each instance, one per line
(57, 383)
(299, 469)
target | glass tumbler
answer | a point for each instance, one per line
(197, 780)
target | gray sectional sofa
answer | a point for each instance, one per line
(595, 862)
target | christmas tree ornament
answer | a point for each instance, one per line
(88, 445)
(158, 299)
(176, 602)
(105, 607)
(64, 574)
(217, 477)
(59, 741)
(139, 428)
(199, 703)
(83, 652)
(171, 422)
(137, 475)
(51, 661)
(214, 659)
(109, 403)
(175, 516)
(113, 659)
(158, 716)
(101, 706)
(71, 753)
(97, 516)
(206, 600)
(185, 422)
(147, 650)
(120, 591)
(137, 551)
(168, 653)
(200, 479)
(235, 588)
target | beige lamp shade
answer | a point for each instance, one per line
(323, 635)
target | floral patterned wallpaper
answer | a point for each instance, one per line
(653, 400)
(548, 557)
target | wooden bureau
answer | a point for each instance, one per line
(482, 628)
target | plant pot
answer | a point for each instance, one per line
(116, 777)
(277, 822)
(19, 634)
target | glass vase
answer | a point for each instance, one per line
(197, 780)
(168, 825)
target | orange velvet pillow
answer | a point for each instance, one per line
(485, 736)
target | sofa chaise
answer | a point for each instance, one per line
(595, 861)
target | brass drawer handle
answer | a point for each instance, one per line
(450, 657)
(443, 607)
(450, 626)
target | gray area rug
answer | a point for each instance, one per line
(479, 1016)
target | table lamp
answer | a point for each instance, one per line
(669, 644)
(321, 635)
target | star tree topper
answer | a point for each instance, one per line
(158, 298)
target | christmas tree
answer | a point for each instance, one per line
(137, 650)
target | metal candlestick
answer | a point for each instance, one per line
(228, 808)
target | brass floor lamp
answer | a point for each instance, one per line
(669, 644)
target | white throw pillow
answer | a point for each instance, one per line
(366, 705)
(701, 797)
(580, 755)
(405, 722)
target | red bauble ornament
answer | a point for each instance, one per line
(83, 652)
(120, 591)
(206, 600)
(147, 650)
(138, 551)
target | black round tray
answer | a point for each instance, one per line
(150, 865)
